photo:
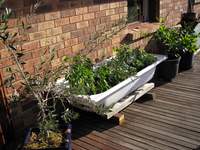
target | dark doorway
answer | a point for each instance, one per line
(153, 10)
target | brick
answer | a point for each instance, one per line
(64, 52)
(115, 17)
(56, 63)
(12, 23)
(104, 6)
(94, 8)
(54, 31)
(114, 5)
(48, 41)
(4, 53)
(88, 16)
(105, 19)
(35, 19)
(110, 12)
(100, 14)
(75, 19)
(68, 13)
(45, 25)
(33, 28)
(81, 10)
(76, 33)
(94, 22)
(31, 45)
(63, 37)
(116, 40)
(82, 24)
(61, 22)
(37, 35)
(57, 46)
(71, 42)
(52, 15)
(36, 53)
(69, 27)
(77, 48)
(124, 4)
(27, 56)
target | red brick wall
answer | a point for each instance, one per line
(172, 10)
(67, 26)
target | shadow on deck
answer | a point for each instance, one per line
(170, 121)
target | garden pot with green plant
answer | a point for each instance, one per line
(41, 87)
(190, 17)
(188, 42)
(168, 39)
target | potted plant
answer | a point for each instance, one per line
(169, 44)
(190, 17)
(188, 42)
(54, 113)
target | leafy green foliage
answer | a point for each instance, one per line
(170, 39)
(85, 80)
(177, 41)
(81, 77)
(188, 40)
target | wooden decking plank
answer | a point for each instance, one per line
(158, 138)
(177, 95)
(75, 147)
(177, 99)
(131, 140)
(161, 89)
(181, 88)
(173, 108)
(187, 125)
(85, 145)
(101, 138)
(167, 113)
(163, 100)
(161, 131)
(171, 111)
(144, 138)
(165, 126)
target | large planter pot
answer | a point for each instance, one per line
(124, 88)
(186, 61)
(169, 69)
(189, 16)
(65, 145)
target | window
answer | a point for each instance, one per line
(143, 10)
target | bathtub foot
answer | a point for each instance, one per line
(118, 118)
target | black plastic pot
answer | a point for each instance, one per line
(67, 142)
(189, 16)
(168, 69)
(186, 61)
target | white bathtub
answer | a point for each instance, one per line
(125, 87)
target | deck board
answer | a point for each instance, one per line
(170, 121)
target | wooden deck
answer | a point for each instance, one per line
(170, 121)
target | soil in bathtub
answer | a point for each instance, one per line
(85, 79)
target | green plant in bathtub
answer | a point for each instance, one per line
(85, 80)
(81, 77)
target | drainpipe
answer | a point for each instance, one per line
(190, 6)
